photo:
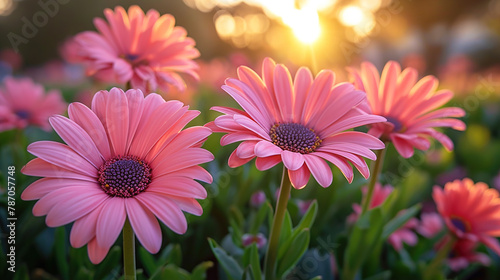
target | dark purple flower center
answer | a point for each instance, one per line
(124, 176)
(397, 124)
(294, 137)
(23, 114)
(131, 57)
(459, 224)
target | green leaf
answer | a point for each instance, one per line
(286, 230)
(237, 222)
(305, 223)
(83, 274)
(21, 273)
(364, 237)
(60, 250)
(385, 275)
(165, 254)
(175, 256)
(147, 261)
(251, 258)
(200, 271)
(390, 202)
(400, 220)
(309, 217)
(228, 263)
(237, 217)
(263, 212)
(293, 253)
(112, 260)
(173, 272)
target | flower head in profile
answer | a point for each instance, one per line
(23, 103)
(145, 50)
(247, 239)
(125, 158)
(470, 211)
(410, 107)
(404, 234)
(299, 122)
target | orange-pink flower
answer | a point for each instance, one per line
(125, 158)
(23, 103)
(470, 211)
(299, 122)
(409, 107)
(145, 50)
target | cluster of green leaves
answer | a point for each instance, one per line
(245, 262)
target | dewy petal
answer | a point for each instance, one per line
(117, 120)
(166, 210)
(402, 146)
(84, 229)
(283, 91)
(292, 160)
(110, 221)
(96, 253)
(62, 156)
(235, 161)
(299, 177)
(41, 168)
(66, 205)
(246, 149)
(77, 138)
(144, 224)
(264, 163)
(43, 186)
(266, 149)
(177, 186)
(87, 120)
(319, 169)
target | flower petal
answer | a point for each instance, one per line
(110, 221)
(144, 224)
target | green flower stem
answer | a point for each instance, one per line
(272, 249)
(375, 171)
(128, 251)
(437, 262)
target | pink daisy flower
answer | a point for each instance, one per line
(145, 50)
(126, 158)
(409, 107)
(404, 234)
(299, 122)
(23, 103)
(470, 211)
(430, 224)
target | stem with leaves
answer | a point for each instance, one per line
(272, 249)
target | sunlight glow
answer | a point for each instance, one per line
(6, 7)
(305, 25)
(351, 16)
